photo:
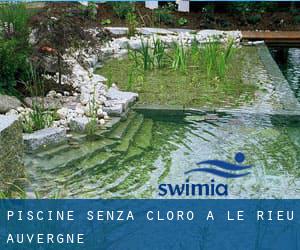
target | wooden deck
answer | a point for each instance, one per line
(275, 37)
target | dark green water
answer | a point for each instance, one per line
(142, 152)
(288, 60)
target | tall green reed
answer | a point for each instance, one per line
(179, 57)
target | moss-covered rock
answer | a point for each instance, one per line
(11, 154)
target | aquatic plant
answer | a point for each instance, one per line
(194, 52)
(159, 53)
(92, 126)
(146, 55)
(180, 57)
(216, 58)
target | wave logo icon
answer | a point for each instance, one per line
(224, 169)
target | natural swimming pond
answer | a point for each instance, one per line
(147, 149)
(142, 152)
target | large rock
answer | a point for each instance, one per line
(114, 110)
(78, 124)
(118, 101)
(117, 30)
(7, 103)
(114, 94)
(44, 137)
(11, 152)
(48, 103)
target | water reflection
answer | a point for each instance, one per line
(288, 60)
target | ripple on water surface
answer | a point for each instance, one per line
(157, 150)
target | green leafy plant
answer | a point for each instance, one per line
(254, 18)
(106, 22)
(39, 117)
(14, 45)
(217, 57)
(164, 15)
(131, 21)
(122, 9)
(182, 21)
(92, 126)
(297, 19)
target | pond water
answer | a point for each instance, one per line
(288, 60)
(142, 152)
(138, 154)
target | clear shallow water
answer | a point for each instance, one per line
(139, 154)
(288, 60)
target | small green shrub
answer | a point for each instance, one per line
(122, 9)
(14, 45)
(106, 22)
(38, 118)
(131, 20)
(297, 19)
(254, 19)
(164, 15)
(182, 21)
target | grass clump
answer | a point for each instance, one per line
(195, 76)
(38, 118)
(217, 58)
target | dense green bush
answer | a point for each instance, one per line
(14, 45)
(13, 64)
(163, 16)
(297, 19)
(254, 18)
(122, 9)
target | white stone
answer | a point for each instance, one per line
(20, 109)
(79, 124)
(12, 112)
(117, 30)
(102, 121)
(62, 113)
(51, 93)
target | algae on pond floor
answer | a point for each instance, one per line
(159, 150)
(192, 88)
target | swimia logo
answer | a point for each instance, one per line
(215, 167)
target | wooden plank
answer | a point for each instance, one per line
(273, 36)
